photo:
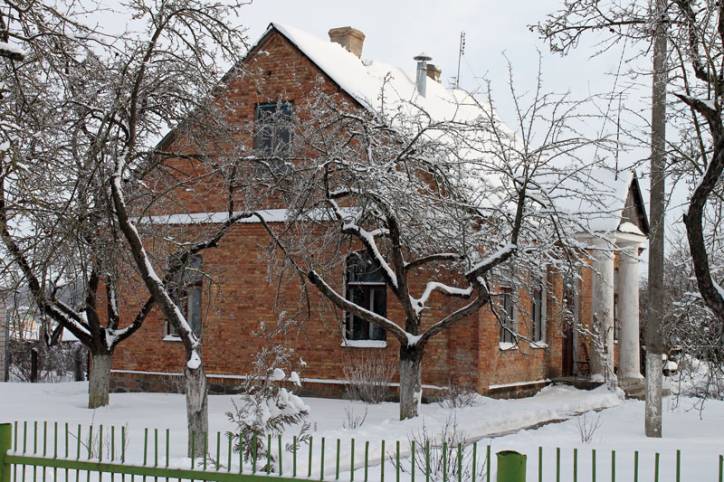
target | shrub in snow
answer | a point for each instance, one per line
(440, 451)
(700, 380)
(353, 420)
(367, 377)
(268, 404)
(457, 395)
(588, 425)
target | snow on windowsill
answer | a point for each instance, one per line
(364, 343)
(505, 346)
(539, 345)
(171, 338)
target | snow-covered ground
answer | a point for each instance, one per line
(501, 423)
(699, 436)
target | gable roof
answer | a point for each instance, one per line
(377, 86)
(608, 213)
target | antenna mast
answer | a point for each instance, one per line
(461, 51)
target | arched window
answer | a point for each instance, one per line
(366, 287)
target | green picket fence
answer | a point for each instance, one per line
(60, 452)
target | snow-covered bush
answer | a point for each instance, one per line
(700, 380)
(268, 404)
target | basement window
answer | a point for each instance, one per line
(366, 287)
(186, 291)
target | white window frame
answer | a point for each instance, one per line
(503, 342)
(349, 318)
(541, 286)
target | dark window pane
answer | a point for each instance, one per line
(361, 268)
(379, 302)
(507, 318)
(273, 129)
(537, 314)
(186, 291)
(194, 309)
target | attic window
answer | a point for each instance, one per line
(273, 130)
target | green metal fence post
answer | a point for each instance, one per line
(6, 432)
(511, 466)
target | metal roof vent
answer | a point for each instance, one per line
(421, 79)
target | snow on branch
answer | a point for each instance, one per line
(344, 304)
(418, 304)
(349, 226)
(491, 261)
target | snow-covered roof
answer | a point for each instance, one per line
(603, 213)
(30, 329)
(366, 80)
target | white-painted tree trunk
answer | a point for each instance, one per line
(99, 380)
(410, 382)
(654, 381)
(196, 410)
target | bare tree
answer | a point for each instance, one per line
(54, 219)
(692, 47)
(456, 202)
(102, 103)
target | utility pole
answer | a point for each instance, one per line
(654, 337)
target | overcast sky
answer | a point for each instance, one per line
(397, 30)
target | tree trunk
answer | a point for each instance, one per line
(33, 365)
(410, 381)
(654, 368)
(654, 337)
(197, 413)
(99, 380)
(78, 364)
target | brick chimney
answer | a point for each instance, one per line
(350, 38)
(434, 72)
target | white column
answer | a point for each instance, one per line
(602, 309)
(628, 311)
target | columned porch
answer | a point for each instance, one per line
(615, 297)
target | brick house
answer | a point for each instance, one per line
(288, 64)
